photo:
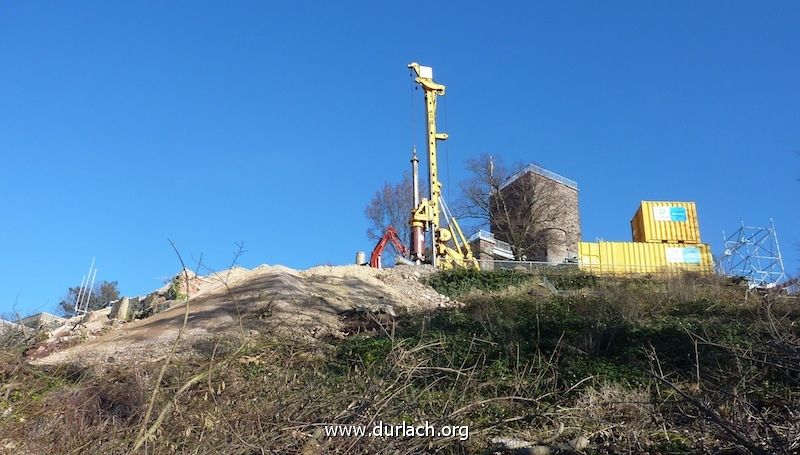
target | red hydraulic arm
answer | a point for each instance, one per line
(389, 235)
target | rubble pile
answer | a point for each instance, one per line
(309, 305)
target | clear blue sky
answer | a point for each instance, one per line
(124, 124)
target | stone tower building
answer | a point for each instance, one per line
(537, 214)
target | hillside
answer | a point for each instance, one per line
(300, 305)
(272, 359)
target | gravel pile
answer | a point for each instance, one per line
(304, 304)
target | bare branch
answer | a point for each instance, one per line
(390, 206)
(527, 213)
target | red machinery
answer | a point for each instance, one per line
(389, 235)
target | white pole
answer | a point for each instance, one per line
(89, 293)
(80, 294)
(83, 293)
(91, 266)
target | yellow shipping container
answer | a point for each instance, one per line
(666, 222)
(640, 257)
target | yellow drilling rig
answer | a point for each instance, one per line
(449, 248)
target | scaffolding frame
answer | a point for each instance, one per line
(753, 253)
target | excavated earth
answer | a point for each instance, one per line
(308, 305)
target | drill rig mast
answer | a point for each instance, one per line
(449, 247)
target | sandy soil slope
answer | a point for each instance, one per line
(305, 304)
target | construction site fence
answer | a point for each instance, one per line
(531, 266)
(605, 269)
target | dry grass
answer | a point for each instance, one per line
(515, 363)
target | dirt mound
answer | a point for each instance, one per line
(308, 304)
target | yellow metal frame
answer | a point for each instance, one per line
(427, 215)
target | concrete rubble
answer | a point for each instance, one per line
(60, 333)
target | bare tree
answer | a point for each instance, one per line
(527, 212)
(390, 206)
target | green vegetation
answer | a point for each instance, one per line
(692, 364)
(456, 282)
(177, 288)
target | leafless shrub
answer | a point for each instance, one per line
(752, 397)
(616, 413)
(90, 411)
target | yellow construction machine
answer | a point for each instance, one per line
(449, 247)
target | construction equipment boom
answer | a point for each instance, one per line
(389, 236)
(449, 246)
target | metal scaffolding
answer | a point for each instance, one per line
(753, 253)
